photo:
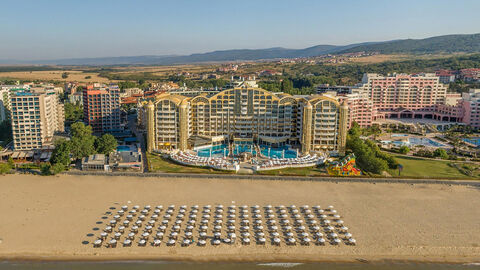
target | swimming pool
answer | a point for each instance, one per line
(214, 151)
(425, 142)
(124, 148)
(473, 140)
(399, 135)
(272, 152)
(279, 152)
(419, 141)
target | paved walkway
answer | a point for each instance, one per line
(245, 168)
(133, 127)
(475, 183)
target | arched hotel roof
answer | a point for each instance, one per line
(178, 99)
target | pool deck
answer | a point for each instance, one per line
(275, 152)
(398, 137)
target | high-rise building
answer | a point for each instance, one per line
(404, 95)
(470, 104)
(101, 108)
(338, 89)
(360, 109)
(5, 93)
(251, 116)
(4, 104)
(36, 116)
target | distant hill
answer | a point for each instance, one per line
(448, 44)
(215, 56)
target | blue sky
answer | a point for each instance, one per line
(50, 29)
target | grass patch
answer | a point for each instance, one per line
(309, 171)
(157, 163)
(425, 168)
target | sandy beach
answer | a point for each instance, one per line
(51, 218)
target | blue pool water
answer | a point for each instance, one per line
(473, 140)
(425, 142)
(222, 150)
(123, 148)
(216, 151)
(280, 152)
(419, 141)
(399, 135)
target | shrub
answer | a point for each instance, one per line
(404, 150)
(45, 169)
(440, 153)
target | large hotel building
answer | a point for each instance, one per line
(402, 95)
(245, 115)
(417, 96)
(101, 108)
(36, 115)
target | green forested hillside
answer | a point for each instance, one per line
(449, 43)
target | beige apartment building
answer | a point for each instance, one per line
(36, 116)
(245, 115)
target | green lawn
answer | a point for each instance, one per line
(156, 163)
(412, 167)
(424, 168)
(310, 171)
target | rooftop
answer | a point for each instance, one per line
(98, 159)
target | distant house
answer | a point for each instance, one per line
(445, 76)
(470, 74)
(269, 72)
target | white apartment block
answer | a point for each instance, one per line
(36, 116)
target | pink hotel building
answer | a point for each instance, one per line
(418, 96)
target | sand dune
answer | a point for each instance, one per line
(50, 217)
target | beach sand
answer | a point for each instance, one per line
(48, 218)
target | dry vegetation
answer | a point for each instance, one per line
(379, 58)
(54, 75)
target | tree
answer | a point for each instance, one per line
(105, 144)
(5, 132)
(286, 86)
(391, 161)
(5, 168)
(45, 169)
(73, 112)
(57, 168)
(79, 130)
(440, 153)
(424, 153)
(127, 84)
(61, 154)
(355, 130)
(369, 156)
(64, 75)
(404, 150)
(82, 142)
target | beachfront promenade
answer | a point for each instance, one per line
(372, 180)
